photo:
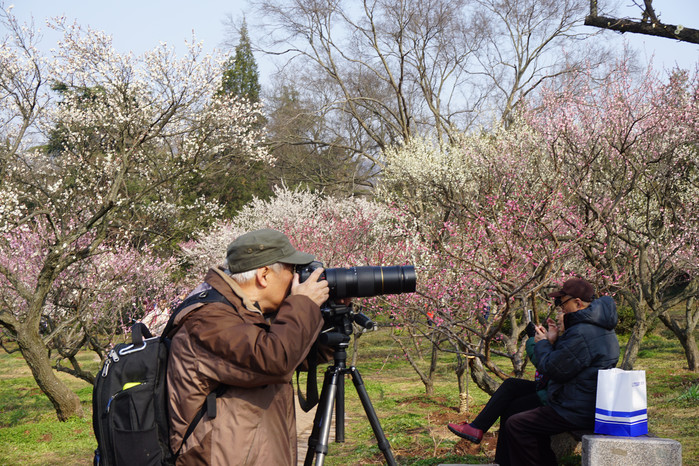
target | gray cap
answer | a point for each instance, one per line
(263, 247)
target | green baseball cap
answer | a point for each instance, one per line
(263, 247)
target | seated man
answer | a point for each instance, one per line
(250, 347)
(571, 361)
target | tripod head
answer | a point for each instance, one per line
(339, 319)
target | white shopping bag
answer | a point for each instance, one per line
(621, 407)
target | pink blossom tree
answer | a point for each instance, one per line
(341, 232)
(627, 153)
(597, 181)
(91, 302)
(131, 130)
(495, 219)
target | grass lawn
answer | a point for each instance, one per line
(414, 423)
(30, 434)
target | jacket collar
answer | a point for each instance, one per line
(224, 284)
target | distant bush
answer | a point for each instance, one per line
(626, 320)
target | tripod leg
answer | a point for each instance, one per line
(340, 409)
(318, 441)
(317, 421)
(384, 446)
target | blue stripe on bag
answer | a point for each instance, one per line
(621, 413)
(621, 429)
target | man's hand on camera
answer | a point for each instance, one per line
(317, 291)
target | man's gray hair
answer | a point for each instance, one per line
(244, 277)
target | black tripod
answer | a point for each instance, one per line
(333, 393)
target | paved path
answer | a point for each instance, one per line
(304, 425)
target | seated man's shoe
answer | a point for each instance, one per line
(467, 431)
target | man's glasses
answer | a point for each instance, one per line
(558, 303)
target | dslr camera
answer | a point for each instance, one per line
(358, 282)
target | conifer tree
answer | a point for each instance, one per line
(240, 76)
(235, 182)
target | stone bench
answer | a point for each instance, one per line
(568, 443)
(609, 450)
(623, 451)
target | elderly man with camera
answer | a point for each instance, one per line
(233, 359)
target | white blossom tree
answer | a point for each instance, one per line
(131, 129)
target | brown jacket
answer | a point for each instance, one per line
(218, 344)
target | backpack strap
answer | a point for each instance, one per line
(190, 305)
(209, 408)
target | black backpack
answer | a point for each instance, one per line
(130, 399)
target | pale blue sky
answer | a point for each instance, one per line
(140, 25)
(137, 25)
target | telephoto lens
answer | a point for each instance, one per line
(358, 282)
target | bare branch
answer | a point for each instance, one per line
(649, 24)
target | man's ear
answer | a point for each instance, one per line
(261, 276)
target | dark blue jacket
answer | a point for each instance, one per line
(587, 345)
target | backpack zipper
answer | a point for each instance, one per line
(112, 356)
(109, 403)
(105, 433)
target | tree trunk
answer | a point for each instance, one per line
(426, 379)
(464, 396)
(462, 391)
(355, 348)
(634, 345)
(686, 335)
(434, 358)
(65, 402)
(481, 377)
(691, 351)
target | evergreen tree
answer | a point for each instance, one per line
(233, 181)
(240, 76)
(292, 126)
